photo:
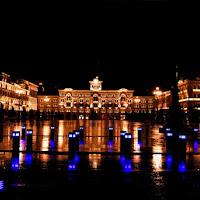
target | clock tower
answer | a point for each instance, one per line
(95, 84)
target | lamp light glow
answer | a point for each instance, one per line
(182, 137)
(15, 134)
(170, 134)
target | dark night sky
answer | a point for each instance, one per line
(135, 46)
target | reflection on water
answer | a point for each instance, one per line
(99, 156)
(95, 136)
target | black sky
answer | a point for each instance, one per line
(131, 45)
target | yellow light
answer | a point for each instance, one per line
(157, 91)
(137, 100)
(46, 99)
(95, 81)
(19, 91)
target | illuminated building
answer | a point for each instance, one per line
(103, 104)
(20, 95)
(189, 95)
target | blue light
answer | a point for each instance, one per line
(28, 158)
(170, 134)
(1, 186)
(73, 163)
(15, 164)
(110, 128)
(196, 130)
(122, 133)
(15, 134)
(128, 136)
(81, 127)
(71, 166)
(52, 127)
(182, 137)
(77, 132)
(169, 161)
(168, 129)
(76, 158)
(52, 145)
(196, 146)
(29, 132)
(139, 129)
(23, 127)
(122, 160)
(72, 135)
(182, 166)
(127, 166)
(140, 143)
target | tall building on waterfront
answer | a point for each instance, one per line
(96, 102)
(19, 95)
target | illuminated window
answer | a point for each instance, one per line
(123, 98)
(68, 98)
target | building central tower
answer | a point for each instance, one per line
(95, 84)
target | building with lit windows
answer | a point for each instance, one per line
(19, 95)
(189, 95)
(95, 103)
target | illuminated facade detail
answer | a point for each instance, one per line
(105, 104)
(189, 95)
(20, 95)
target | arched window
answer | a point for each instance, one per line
(123, 97)
(95, 98)
(68, 97)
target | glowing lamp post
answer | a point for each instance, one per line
(16, 142)
(29, 134)
(128, 143)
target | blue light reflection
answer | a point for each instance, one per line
(73, 163)
(126, 164)
(196, 146)
(1, 185)
(15, 164)
(169, 161)
(182, 166)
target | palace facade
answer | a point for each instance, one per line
(102, 104)
(18, 95)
